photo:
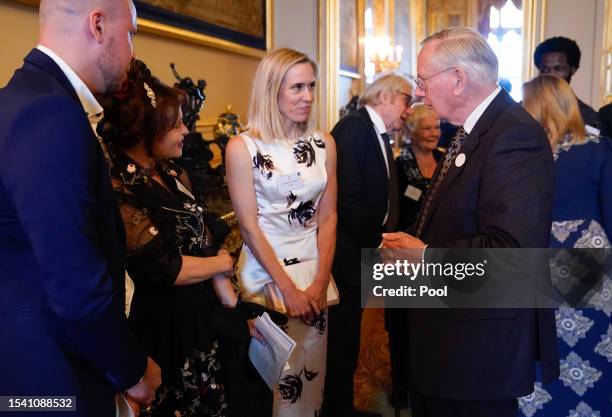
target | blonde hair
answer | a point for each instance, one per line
(388, 83)
(419, 112)
(466, 49)
(265, 119)
(551, 101)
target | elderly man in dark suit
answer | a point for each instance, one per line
(62, 323)
(367, 206)
(492, 189)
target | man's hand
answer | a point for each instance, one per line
(403, 246)
(144, 391)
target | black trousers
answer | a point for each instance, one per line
(424, 406)
(342, 352)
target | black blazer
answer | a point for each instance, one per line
(363, 187)
(501, 197)
(605, 114)
(62, 321)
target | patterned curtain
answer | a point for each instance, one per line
(484, 12)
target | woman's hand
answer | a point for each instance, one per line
(227, 263)
(253, 330)
(318, 293)
(298, 303)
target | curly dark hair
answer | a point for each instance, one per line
(558, 44)
(129, 115)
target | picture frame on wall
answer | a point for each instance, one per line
(239, 26)
(349, 26)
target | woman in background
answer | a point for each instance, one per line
(173, 244)
(417, 162)
(582, 218)
(281, 175)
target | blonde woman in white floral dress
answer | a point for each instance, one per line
(281, 175)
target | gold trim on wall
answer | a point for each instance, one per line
(534, 31)
(330, 59)
(605, 95)
(150, 26)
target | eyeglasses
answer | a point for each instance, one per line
(420, 81)
(407, 97)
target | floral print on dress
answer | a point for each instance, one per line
(291, 199)
(578, 374)
(203, 392)
(602, 299)
(319, 322)
(565, 144)
(319, 142)
(535, 401)
(291, 387)
(583, 410)
(594, 237)
(264, 163)
(571, 325)
(304, 152)
(302, 213)
(604, 348)
(562, 230)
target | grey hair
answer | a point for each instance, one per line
(466, 49)
(387, 83)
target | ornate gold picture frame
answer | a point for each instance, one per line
(239, 26)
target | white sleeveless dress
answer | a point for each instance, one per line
(289, 178)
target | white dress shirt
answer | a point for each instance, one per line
(472, 119)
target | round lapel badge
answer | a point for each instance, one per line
(460, 160)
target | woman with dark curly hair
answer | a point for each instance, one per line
(174, 256)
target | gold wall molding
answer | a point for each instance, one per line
(606, 57)
(329, 57)
(534, 31)
(150, 26)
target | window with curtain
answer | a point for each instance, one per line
(502, 25)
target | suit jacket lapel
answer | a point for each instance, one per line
(374, 138)
(493, 111)
(45, 63)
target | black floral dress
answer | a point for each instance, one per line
(412, 185)
(172, 322)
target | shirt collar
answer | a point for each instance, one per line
(472, 119)
(377, 120)
(87, 99)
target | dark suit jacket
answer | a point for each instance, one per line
(501, 197)
(363, 187)
(605, 114)
(62, 321)
(589, 115)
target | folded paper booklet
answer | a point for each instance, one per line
(302, 274)
(270, 356)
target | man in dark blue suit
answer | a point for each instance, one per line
(492, 189)
(62, 322)
(367, 206)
